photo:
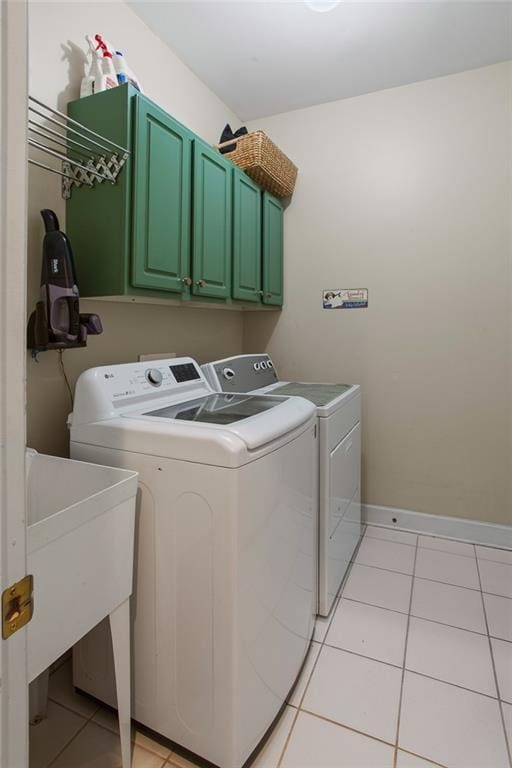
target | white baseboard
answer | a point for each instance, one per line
(473, 531)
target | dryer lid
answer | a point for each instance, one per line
(319, 394)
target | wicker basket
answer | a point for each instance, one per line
(259, 157)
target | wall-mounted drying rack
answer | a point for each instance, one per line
(89, 157)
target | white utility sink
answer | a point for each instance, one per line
(80, 540)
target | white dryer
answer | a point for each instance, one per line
(224, 596)
(338, 407)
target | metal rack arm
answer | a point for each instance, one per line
(68, 129)
(82, 163)
(60, 143)
(43, 148)
(66, 140)
(75, 122)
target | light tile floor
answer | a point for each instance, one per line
(413, 669)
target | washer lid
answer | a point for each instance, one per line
(255, 420)
(244, 438)
(220, 408)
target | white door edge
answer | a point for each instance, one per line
(13, 228)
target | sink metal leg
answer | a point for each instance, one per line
(120, 630)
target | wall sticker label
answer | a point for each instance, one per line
(345, 298)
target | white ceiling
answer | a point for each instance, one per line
(262, 58)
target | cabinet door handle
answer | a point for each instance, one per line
(260, 293)
(269, 295)
(200, 283)
(186, 280)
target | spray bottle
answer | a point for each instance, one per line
(88, 84)
(108, 77)
(120, 68)
(123, 70)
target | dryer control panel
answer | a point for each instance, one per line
(241, 374)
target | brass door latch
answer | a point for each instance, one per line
(17, 606)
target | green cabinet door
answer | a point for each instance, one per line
(246, 238)
(212, 236)
(98, 219)
(272, 250)
(161, 200)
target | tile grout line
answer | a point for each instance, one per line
(74, 711)
(436, 581)
(367, 735)
(301, 699)
(335, 606)
(425, 578)
(427, 759)
(68, 743)
(133, 742)
(400, 698)
(362, 655)
(500, 705)
(321, 643)
(90, 719)
(454, 685)
(412, 532)
(287, 740)
(428, 618)
(373, 605)
(414, 671)
(423, 548)
(348, 727)
(388, 541)
(430, 549)
(324, 643)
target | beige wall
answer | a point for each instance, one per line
(57, 48)
(407, 192)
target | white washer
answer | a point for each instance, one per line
(338, 408)
(224, 598)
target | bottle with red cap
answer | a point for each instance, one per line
(107, 78)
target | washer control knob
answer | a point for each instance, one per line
(228, 373)
(256, 366)
(154, 376)
(263, 365)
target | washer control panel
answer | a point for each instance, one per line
(123, 383)
(241, 374)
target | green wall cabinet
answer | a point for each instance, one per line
(212, 217)
(272, 250)
(181, 221)
(246, 238)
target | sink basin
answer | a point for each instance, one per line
(80, 536)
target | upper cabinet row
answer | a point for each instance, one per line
(181, 220)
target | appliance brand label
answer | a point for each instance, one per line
(345, 298)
